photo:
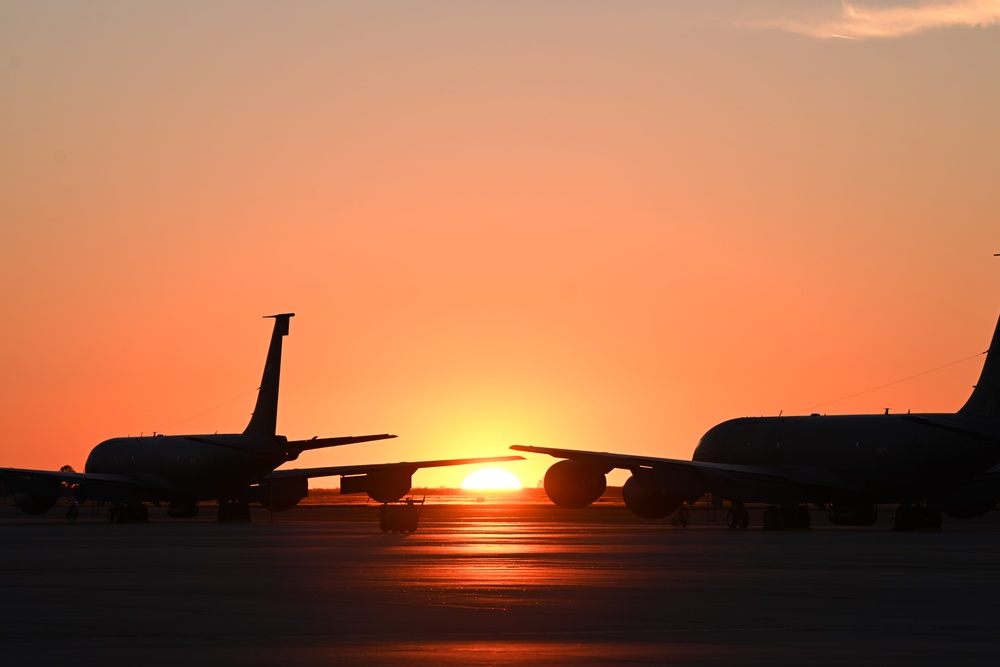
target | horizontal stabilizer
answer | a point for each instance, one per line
(319, 443)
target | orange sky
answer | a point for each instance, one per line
(603, 225)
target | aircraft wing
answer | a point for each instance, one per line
(694, 478)
(408, 467)
(83, 486)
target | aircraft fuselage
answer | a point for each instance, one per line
(878, 458)
(192, 467)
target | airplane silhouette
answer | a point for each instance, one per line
(234, 469)
(927, 464)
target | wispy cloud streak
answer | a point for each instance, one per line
(859, 22)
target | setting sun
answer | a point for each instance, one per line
(491, 479)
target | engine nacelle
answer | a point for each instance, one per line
(384, 487)
(853, 515)
(572, 485)
(34, 505)
(648, 501)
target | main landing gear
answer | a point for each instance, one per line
(738, 516)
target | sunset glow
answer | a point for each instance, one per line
(590, 225)
(492, 479)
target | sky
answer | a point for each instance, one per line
(602, 225)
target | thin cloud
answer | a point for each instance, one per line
(859, 22)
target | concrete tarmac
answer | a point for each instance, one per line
(493, 585)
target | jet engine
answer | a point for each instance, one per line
(572, 485)
(385, 486)
(34, 505)
(648, 501)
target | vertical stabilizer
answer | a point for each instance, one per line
(265, 413)
(985, 399)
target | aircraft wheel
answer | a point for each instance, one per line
(742, 517)
(732, 518)
(682, 516)
(383, 526)
(73, 512)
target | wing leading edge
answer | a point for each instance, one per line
(693, 479)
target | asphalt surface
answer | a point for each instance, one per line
(493, 585)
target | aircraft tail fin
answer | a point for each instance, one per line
(265, 413)
(985, 398)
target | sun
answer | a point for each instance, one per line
(492, 479)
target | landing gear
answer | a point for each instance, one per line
(738, 517)
(125, 513)
(234, 511)
(909, 517)
(73, 512)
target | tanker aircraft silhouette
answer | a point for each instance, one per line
(846, 464)
(234, 469)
